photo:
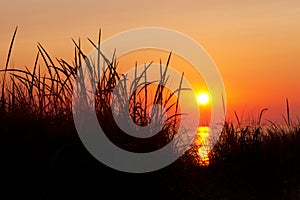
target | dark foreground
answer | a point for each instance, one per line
(44, 160)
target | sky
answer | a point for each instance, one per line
(255, 44)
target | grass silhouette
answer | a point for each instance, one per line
(44, 158)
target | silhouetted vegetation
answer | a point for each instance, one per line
(44, 158)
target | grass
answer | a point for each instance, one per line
(45, 159)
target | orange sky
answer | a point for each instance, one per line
(255, 44)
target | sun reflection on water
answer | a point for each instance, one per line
(202, 144)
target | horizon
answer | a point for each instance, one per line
(150, 99)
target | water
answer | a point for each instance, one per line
(203, 144)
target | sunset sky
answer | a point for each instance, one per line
(255, 44)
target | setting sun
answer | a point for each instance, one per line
(203, 98)
(199, 102)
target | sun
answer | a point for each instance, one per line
(203, 98)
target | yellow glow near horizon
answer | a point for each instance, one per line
(203, 98)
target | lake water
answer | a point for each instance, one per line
(202, 143)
